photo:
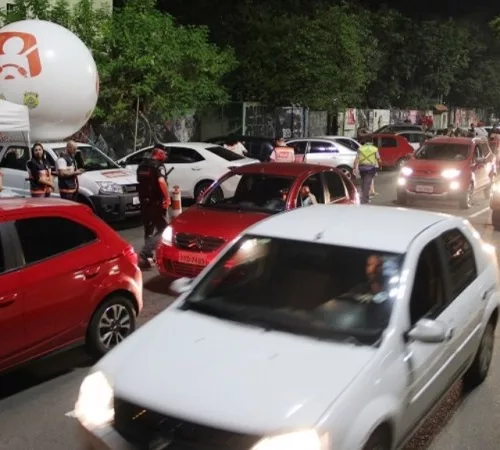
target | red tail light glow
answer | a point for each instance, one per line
(131, 255)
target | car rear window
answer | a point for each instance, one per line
(443, 152)
(224, 153)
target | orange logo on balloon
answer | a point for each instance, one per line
(19, 57)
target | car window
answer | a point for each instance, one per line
(254, 192)
(348, 143)
(89, 158)
(16, 157)
(428, 294)
(412, 138)
(303, 288)
(315, 185)
(139, 156)
(443, 152)
(460, 259)
(335, 185)
(298, 146)
(322, 147)
(484, 148)
(44, 237)
(222, 152)
(387, 142)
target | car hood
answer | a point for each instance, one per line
(431, 167)
(118, 176)
(219, 223)
(231, 376)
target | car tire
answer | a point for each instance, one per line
(495, 219)
(85, 201)
(116, 310)
(201, 187)
(465, 201)
(479, 369)
(347, 172)
(402, 198)
(379, 440)
(401, 162)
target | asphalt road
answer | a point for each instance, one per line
(36, 401)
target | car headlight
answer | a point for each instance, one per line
(108, 187)
(450, 173)
(299, 440)
(94, 406)
(406, 171)
(167, 235)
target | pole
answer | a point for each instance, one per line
(136, 124)
(244, 120)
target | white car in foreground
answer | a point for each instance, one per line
(196, 164)
(307, 332)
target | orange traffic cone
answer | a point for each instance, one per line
(176, 202)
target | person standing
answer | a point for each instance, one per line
(155, 201)
(366, 163)
(235, 146)
(67, 173)
(39, 172)
(282, 152)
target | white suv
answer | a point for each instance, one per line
(110, 190)
(306, 332)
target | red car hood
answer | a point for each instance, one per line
(433, 166)
(218, 223)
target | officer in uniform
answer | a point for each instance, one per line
(39, 172)
(67, 173)
(282, 152)
(366, 162)
(155, 200)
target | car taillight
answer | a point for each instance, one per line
(131, 255)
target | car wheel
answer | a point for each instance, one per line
(379, 440)
(402, 198)
(111, 323)
(479, 369)
(466, 197)
(85, 201)
(400, 163)
(346, 171)
(495, 219)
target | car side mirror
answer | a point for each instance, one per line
(430, 332)
(181, 285)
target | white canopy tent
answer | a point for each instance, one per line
(14, 118)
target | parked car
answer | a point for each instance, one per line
(109, 190)
(197, 236)
(394, 128)
(196, 164)
(448, 168)
(346, 141)
(325, 152)
(287, 323)
(258, 147)
(65, 278)
(394, 150)
(415, 138)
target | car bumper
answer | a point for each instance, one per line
(437, 189)
(175, 263)
(105, 438)
(116, 207)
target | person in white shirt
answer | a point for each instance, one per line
(236, 146)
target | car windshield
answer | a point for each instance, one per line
(250, 192)
(224, 153)
(443, 152)
(330, 292)
(90, 159)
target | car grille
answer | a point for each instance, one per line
(197, 242)
(427, 181)
(181, 269)
(131, 188)
(147, 430)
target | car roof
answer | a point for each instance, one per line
(365, 226)
(285, 169)
(193, 145)
(335, 137)
(454, 140)
(17, 203)
(415, 131)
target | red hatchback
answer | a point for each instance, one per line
(260, 190)
(448, 168)
(394, 150)
(65, 277)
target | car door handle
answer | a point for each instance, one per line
(7, 300)
(91, 272)
(195, 168)
(450, 333)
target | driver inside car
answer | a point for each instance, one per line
(307, 198)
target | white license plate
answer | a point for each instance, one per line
(195, 259)
(426, 189)
(135, 201)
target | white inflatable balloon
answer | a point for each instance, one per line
(49, 69)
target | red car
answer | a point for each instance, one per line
(66, 277)
(394, 150)
(199, 233)
(448, 168)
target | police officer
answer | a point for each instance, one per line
(366, 162)
(67, 172)
(282, 152)
(41, 184)
(155, 200)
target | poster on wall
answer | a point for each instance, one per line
(381, 117)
